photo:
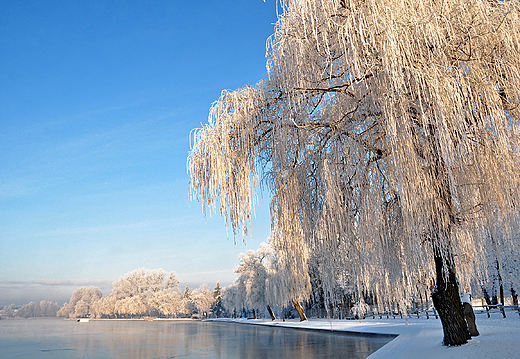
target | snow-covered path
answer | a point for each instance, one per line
(422, 338)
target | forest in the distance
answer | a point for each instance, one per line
(258, 291)
(153, 292)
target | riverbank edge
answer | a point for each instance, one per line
(337, 331)
(304, 326)
(417, 338)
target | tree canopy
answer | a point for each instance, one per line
(387, 133)
(152, 292)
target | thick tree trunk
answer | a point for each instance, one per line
(447, 301)
(300, 310)
(445, 295)
(254, 314)
(271, 313)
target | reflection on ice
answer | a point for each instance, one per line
(167, 339)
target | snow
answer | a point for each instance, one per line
(422, 338)
(466, 298)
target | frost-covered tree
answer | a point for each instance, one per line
(258, 273)
(203, 299)
(387, 132)
(137, 291)
(163, 294)
(48, 308)
(360, 309)
(29, 310)
(81, 309)
(233, 298)
(8, 311)
(136, 305)
(253, 272)
(131, 290)
(169, 301)
(217, 309)
(43, 309)
(263, 283)
(96, 308)
(80, 302)
(187, 303)
(131, 284)
(286, 286)
(106, 305)
(123, 306)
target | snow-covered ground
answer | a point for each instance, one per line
(422, 338)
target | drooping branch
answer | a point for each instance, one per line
(380, 124)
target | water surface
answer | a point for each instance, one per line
(58, 338)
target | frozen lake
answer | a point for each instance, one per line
(58, 338)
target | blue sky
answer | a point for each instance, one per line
(97, 102)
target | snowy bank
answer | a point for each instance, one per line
(422, 338)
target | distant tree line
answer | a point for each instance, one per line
(150, 292)
(262, 284)
(30, 310)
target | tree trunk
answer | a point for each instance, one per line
(271, 313)
(447, 301)
(445, 295)
(254, 314)
(300, 310)
(485, 293)
(501, 285)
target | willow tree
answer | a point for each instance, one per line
(387, 132)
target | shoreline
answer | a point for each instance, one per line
(421, 337)
(276, 324)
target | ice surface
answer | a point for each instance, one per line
(58, 338)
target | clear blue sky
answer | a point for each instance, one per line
(97, 101)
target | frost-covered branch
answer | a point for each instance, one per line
(369, 103)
